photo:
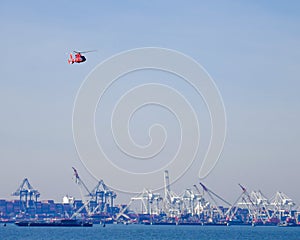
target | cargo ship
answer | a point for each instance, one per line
(54, 223)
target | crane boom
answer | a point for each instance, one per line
(79, 181)
(216, 195)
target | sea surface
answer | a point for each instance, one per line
(12, 232)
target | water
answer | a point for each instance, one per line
(12, 232)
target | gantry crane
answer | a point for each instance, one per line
(282, 205)
(201, 203)
(103, 196)
(28, 195)
(96, 201)
(172, 202)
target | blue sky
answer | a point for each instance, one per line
(250, 48)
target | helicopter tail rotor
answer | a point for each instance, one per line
(71, 59)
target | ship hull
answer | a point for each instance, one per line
(60, 223)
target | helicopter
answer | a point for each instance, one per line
(78, 58)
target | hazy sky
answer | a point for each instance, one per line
(250, 48)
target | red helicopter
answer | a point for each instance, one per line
(79, 58)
